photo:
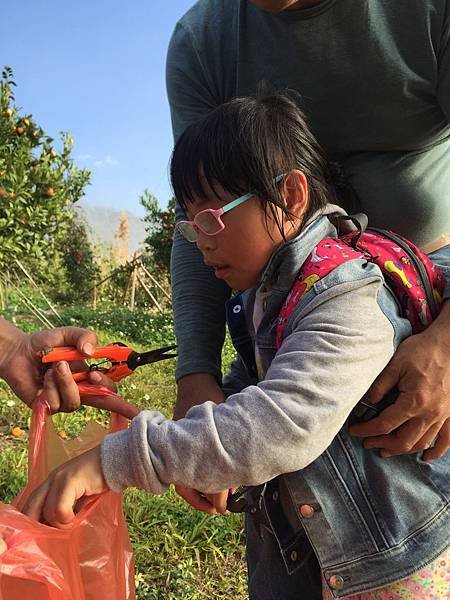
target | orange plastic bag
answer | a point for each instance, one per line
(90, 561)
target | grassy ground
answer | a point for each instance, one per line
(180, 553)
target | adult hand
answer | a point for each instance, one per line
(421, 414)
(55, 499)
(20, 366)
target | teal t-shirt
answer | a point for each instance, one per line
(374, 76)
(375, 80)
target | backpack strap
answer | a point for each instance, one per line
(417, 283)
(415, 280)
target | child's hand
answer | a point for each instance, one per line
(209, 503)
(219, 501)
(54, 500)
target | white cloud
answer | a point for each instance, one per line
(108, 161)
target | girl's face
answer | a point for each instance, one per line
(240, 252)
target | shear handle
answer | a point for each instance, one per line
(113, 352)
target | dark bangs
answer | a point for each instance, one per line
(244, 145)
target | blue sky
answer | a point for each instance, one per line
(96, 69)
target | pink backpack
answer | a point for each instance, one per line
(416, 282)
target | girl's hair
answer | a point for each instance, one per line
(243, 145)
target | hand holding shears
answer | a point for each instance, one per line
(124, 360)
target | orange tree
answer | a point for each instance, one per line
(78, 260)
(159, 228)
(38, 185)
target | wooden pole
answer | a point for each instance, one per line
(129, 264)
(34, 309)
(150, 276)
(133, 288)
(124, 299)
(2, 296)
(150, 294)
(52, 308)
(94, 301)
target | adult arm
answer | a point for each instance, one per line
(198, 296)
(420, 367)
(20, 367)
(420, 370)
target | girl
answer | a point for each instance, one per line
(325, 517)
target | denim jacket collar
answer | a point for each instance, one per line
(282, 268)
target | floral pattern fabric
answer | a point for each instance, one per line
(430, 583)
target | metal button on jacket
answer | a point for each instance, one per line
(336, 582)
(294, 555)
(306, 511)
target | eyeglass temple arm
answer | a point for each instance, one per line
(245, 197)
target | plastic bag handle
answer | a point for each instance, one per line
(38, 431)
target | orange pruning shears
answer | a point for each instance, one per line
(124, 360)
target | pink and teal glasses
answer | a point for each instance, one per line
(209, 221)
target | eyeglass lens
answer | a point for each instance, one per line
(207, 222)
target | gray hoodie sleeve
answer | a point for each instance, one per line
(280, 425)
(237, 378)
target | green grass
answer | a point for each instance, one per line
(180, 553)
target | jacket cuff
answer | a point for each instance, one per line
(116, 461)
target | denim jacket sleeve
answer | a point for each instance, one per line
(441, 258)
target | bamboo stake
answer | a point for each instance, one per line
(52, 308)
(126, 289)
(2, 296)
(150, 294)
(133, 288)
(150, 276)
(128, 264)
(34, 309)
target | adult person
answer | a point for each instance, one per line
(378, 96)
(21, 368)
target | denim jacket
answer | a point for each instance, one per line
(370, 521)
